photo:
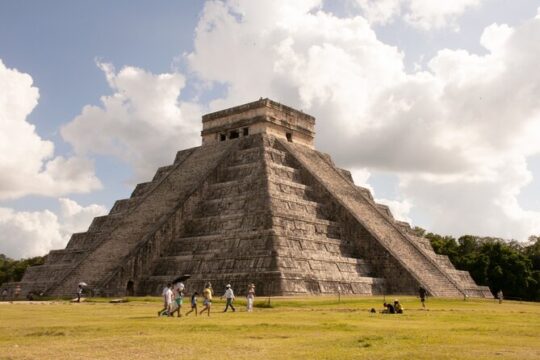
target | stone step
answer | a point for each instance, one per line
(223, 223)
(162, 172)
(232, 205)
(83, 241)
(304, 226)
(295, 205)
(122, 206)
(234, 187)
(285, 172)
(280, 157)
(241, 171)
(66, 256)
(385, 210)
(290, 188)
(142, 188)
(212, 264)
(319, 283)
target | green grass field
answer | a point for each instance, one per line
(297, 328)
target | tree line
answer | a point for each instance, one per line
(13, 270)
(509, 266)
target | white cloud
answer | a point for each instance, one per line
(27, 234)
(461, 130)
(27, 165)
(422, 14)
(143, 123)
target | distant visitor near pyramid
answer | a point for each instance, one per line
(256, 203)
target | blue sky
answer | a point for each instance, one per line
(403, 79)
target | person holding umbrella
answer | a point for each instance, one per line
(80, 291)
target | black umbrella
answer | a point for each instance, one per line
(181, 278)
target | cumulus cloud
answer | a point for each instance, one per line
(27, 234)
(143, 123)
(462, 129)
(422, 14)
(27, 162)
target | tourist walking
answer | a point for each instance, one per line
(193, 304)
(422, 292)
(250, 297)
(178, 298)
(79, 293)
(207, 295)
(500, 296)
(166, 299)
(229, 297)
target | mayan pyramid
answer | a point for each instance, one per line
(255, 203)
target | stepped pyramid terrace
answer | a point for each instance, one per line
(256, 203)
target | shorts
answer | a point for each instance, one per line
(193, 305)
(179, 301)
(207, 302)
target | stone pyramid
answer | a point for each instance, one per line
(255, 203)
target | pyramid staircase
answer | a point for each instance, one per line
(257, 222)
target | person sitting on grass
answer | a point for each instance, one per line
(388, 309)
(193, 304)
(207, 302)
(398, 307)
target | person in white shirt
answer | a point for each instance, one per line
(250, 297)
(169, 297)
(166, 296)
(229, 296)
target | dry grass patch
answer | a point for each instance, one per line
(309, 328)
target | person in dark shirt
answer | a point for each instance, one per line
(388, 309)
(193, 304)
(422, 292)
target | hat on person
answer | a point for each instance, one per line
(228, 286)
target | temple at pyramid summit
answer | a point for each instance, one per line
(255, 203)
